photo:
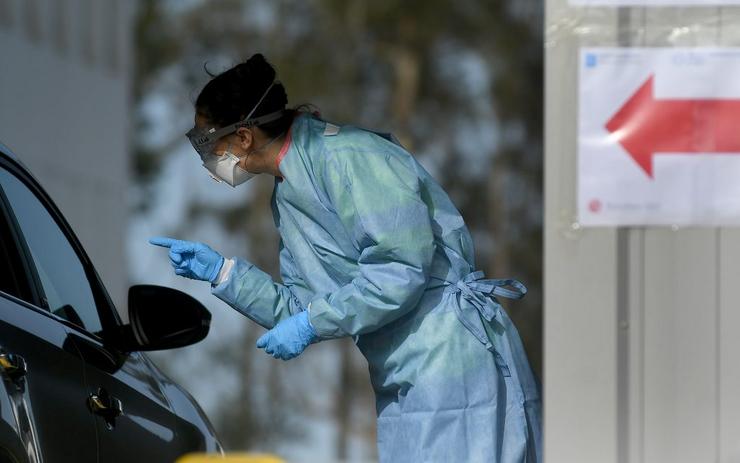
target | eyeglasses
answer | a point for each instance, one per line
(204, 140)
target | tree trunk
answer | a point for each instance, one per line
(343, 411)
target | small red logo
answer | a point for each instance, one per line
(594, 206)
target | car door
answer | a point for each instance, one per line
(145, 429)
(133, 418)
(42, 371)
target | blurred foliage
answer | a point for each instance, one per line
(460, 83)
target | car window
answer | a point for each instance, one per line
(66, 288)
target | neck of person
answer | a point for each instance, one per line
(268, 150)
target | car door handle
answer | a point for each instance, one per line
(12, 364)
(103, 404)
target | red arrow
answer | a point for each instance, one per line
(645, 126)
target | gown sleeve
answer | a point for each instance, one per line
(374, 188)
(254, 293)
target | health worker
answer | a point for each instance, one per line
(370, 247)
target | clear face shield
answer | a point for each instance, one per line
(225, 168)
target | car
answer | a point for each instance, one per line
(76, 383)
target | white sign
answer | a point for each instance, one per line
(659, 136)
(654, 2)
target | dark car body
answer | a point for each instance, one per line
(75, 385)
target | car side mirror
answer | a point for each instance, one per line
(162, 318)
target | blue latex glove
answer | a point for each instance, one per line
(191, 259)
(289, 338)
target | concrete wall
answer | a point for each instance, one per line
(64, 110)
(642, 362)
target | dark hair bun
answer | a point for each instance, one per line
(256, 70)
(228, 97)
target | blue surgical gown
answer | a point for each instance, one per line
(375, 249)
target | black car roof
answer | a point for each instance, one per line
(6, 151)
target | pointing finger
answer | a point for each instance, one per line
(163, 241)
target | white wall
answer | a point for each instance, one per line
(642, 359)
(64, 110)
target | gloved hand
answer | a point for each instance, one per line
(289, 338)
(191, 259)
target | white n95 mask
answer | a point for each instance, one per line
(225, 168)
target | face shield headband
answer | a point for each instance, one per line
(204, 140)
